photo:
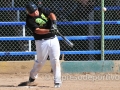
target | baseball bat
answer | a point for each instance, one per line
(68, 42)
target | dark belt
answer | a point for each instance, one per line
(47, 38)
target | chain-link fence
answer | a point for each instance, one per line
(65, 10)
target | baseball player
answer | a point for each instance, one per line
(43, 24)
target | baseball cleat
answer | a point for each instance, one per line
(57, 85)
(27, 83)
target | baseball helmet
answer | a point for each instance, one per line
(31, 7)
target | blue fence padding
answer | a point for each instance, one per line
(62, 52)
(108, 8)
(91, 52)
(87, 22)
(107, 37)
(16, 38)
(17, 53)
(12, 23)
(12, 9)
(23, 9)
(64, 23)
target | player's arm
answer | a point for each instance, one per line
(52, 16)
(41, 31)
(53, 28)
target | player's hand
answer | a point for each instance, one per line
(54, 28)
(53, 31)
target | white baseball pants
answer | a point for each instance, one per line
(44, 48)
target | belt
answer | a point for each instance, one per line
(47, 38)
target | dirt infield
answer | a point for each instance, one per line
(13, 73)
(70, 81)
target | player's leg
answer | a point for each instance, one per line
(42, 54)
(42, 48)
(54, 54)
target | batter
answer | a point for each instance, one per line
(43, 24)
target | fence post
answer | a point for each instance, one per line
(102, 30)
(12, 3)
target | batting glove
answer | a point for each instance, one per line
(54, 27)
